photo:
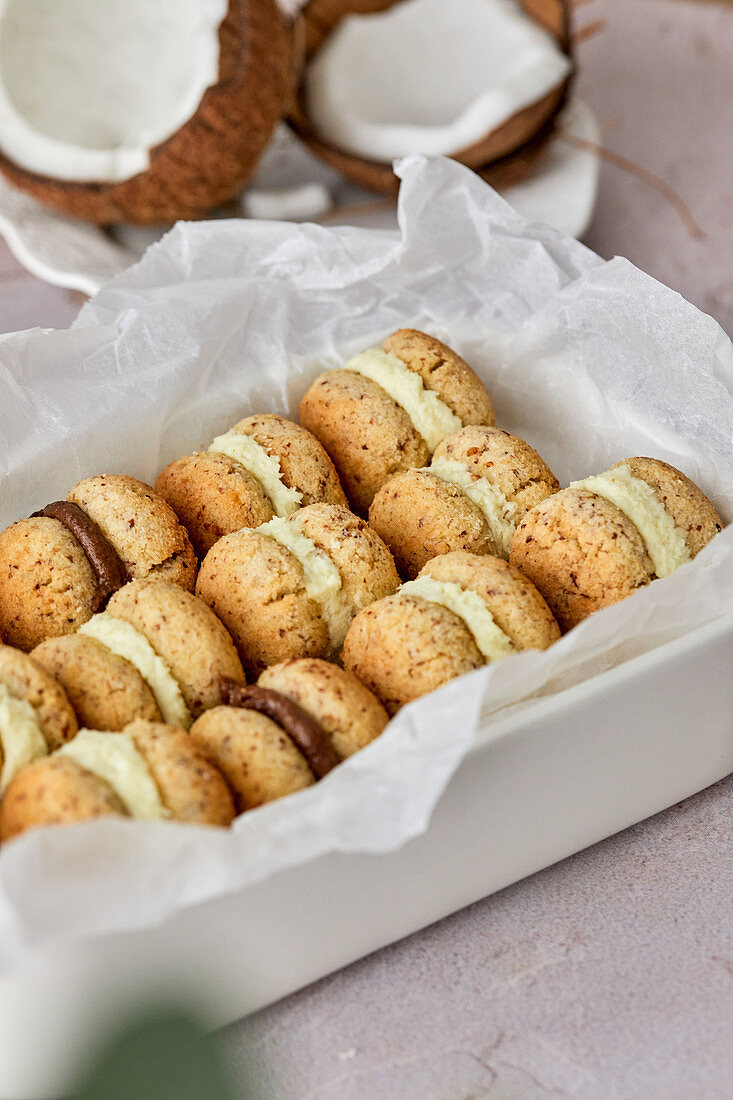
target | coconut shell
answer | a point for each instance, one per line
(208, 160)
(502, 158)
(321, 17)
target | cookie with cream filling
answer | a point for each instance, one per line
(156, 653)
(479, 484)
(461, 612)
(148, 771)
(36, 716)
(291, 587)
(389, 407)
(265, 466)
(604, 537)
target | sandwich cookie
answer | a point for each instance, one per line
(388, 409)
(148, 771)
(461, 612)
(479, 484)
(36, 717)
(266, 466)
(600, 539)
(59, 567)
(291, 587)
(157, 653)
(272, 741)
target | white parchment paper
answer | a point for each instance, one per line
(590, 361)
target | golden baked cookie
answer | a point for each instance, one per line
(106, 691)
(148, 771)
(157, 653)
(389, 408)
(461, 612)
(599, 540)
(142, 527)
(265, 466)
(291, 587)
(35, 714)
(350, 714)
(301, 719)
(60, 566)
(479, 484)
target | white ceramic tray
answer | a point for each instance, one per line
(561, 774)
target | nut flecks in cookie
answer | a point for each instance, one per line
(265, 467)
(500, 513)
(322, 579)
(301, 727)
(431, 417)
(491, 640)
(106, 563)
(123, 639)
(115, 759)
(632, 495)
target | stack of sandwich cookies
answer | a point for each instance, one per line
(389, 407)
(157, 653)
(481, 481)
(272, 741)
(263, 468)
(291, 587)
(59, 567)
(36, 717)
(149, 771)
(461, 612)
(602, 538)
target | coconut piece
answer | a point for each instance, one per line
(132, 111)
(477, 80)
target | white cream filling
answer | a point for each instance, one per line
(322, 579)
(491, 640)
(664, 541)
(265, 467)
(499, 513)
(21, 737)
(122, 638)
(116, 760)
(431, 417)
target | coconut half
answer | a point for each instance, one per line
(472, 79)
(140, 111)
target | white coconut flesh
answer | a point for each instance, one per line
(429, 76)
(89, 87)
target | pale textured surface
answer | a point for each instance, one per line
(609, 976)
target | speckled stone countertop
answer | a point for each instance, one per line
(610, 975)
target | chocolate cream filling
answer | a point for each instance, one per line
(107, 566)
(303, 730)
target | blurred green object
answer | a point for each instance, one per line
(164, 1056)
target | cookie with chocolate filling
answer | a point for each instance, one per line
(270, 741)
(602, 538)
(479, 484)
(291, 587)
(389, 407)
(157, 652)
(266, 466)
(60, 567)
(148, 771)
(36, 716)
(461, 612)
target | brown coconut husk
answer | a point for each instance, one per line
(503, 157)
(209, 159)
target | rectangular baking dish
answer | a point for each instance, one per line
(553, 777)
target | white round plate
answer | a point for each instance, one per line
(69, 253)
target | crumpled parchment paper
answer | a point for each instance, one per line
(590, 361)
